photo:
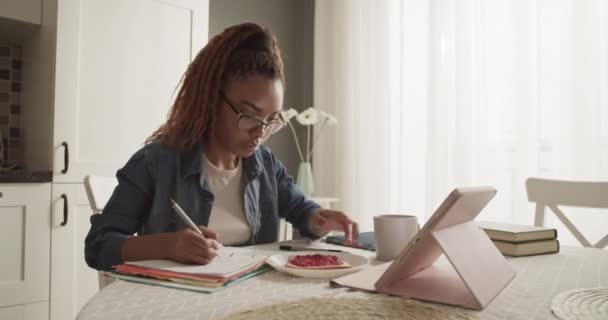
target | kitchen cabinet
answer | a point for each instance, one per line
(118, 63)
(98, 79)
(21, 10)
(24, 245)
(31, 311)
(73, 283)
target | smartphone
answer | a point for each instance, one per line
(366, 241)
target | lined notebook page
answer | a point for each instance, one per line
(230, 261)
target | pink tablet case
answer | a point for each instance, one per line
(451, 260)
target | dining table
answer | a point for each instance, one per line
(539, 279)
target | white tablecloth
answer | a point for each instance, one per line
(528, 296)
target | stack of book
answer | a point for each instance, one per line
(232, 266)
(521, 240)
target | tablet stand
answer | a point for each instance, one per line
(471, 276)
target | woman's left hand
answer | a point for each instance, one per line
(325, 220)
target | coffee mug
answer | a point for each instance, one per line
(393, 232)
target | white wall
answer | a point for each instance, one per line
(292, 21)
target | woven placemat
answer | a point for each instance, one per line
(591, 304)
(350, 308)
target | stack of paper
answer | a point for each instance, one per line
(231, 266)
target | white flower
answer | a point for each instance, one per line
(308, 117)
(331, 120)
(287, 115)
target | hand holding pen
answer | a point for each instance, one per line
(195, 244)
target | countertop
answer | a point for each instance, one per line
(25, 176)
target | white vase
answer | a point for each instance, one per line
(305, 181)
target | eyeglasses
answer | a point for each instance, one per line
(247, 122)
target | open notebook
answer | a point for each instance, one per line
(232, 265)
(190, 286)
(231, 261)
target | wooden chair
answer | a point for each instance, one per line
(285, 228)
(555, 193)
(99, 190)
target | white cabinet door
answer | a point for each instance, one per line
(73, 283)
(22, 10)
(31, 311)
(118, 64)
(24, 243)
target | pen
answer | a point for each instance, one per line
(294, 248)
(180, 212)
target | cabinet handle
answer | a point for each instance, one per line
(65, 210)
(66, 157)
(1, 195)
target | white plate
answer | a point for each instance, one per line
(357, 262)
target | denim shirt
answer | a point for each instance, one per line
(155, 174)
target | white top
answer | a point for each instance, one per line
(227, 214)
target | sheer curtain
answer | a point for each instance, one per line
(431, 95)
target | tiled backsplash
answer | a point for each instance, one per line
(10, 106)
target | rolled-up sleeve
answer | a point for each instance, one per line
(293, 205)
(122, 216)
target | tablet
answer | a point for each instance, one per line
(460, 206)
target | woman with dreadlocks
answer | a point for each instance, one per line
(208, 157)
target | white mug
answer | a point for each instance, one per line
(393, 232)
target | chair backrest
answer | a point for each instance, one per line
(553, 193)
(99, 190)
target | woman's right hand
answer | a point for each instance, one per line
(191, 247)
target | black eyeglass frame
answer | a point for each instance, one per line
(281, 123)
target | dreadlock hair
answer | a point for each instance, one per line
(240, 50)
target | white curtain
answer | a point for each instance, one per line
(431, 95)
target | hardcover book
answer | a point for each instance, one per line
(508, 232)
(527, 248)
